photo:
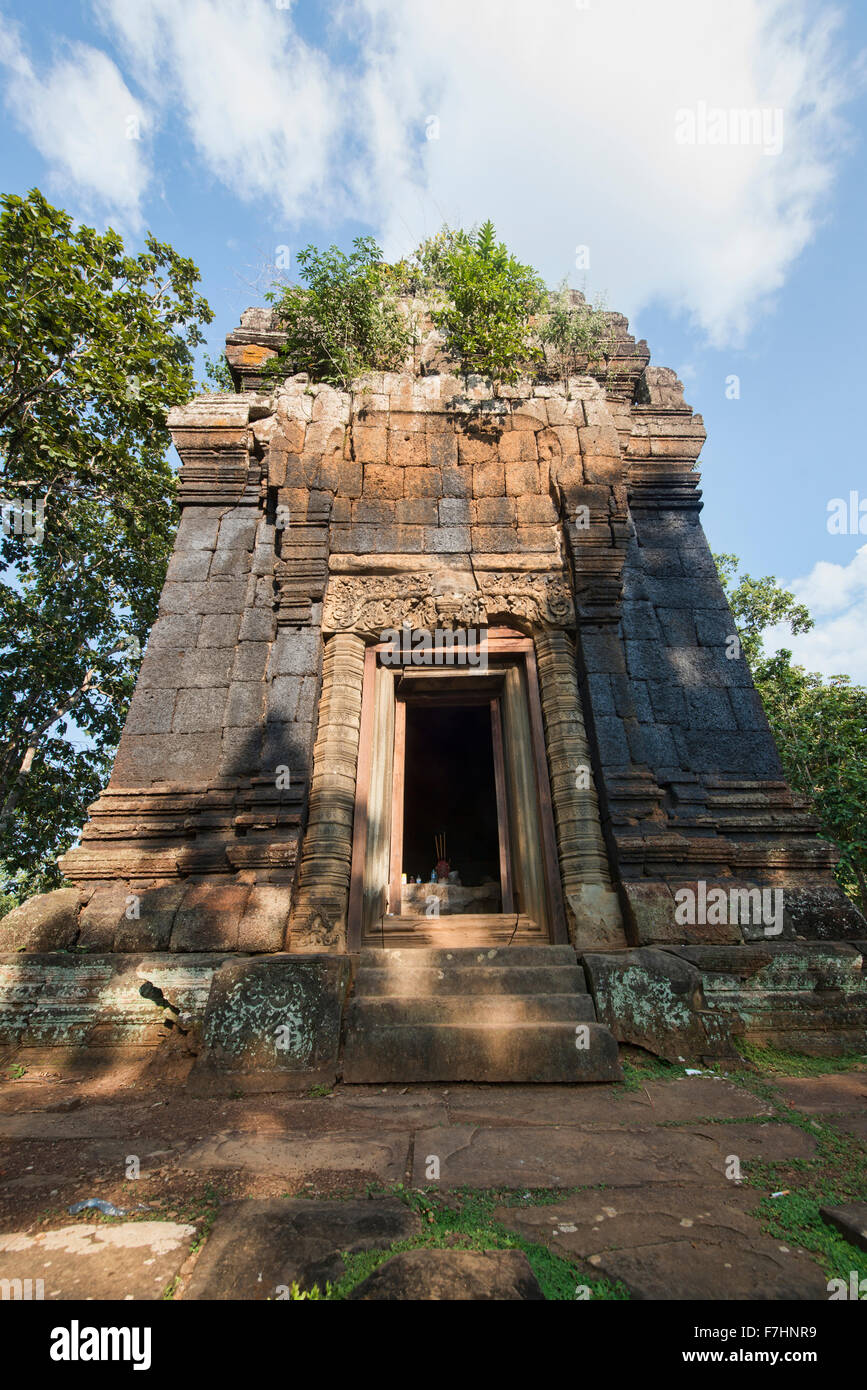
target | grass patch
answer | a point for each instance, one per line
(836, 1175)
(796, 1220)
(771, 1061)
(641, 1067)
(464, 1220)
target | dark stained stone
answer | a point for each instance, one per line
(48, 922)
(258, 1249)
(446, 1275)
(649, 998)
(850, 1220)
(277, 1014)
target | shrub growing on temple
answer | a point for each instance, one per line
(576, 336)
(485, 300)
(344, 319)
(95, 346)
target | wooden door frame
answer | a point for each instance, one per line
(501, 642)
(503, 828)
(398, 785)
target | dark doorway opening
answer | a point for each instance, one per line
(450, 788)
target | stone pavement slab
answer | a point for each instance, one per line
(258, 1249)
(90, 1260)
(771, 1141)
(679, 1270)
(510, 1156)
(835, 1093)
(685, 1241)
(590, 1222)
(414, 1106)
(687, 1098)
(385, 1157)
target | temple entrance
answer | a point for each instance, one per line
(450, 848)
(453, 837)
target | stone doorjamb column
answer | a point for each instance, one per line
(318, 920)
(592, 904)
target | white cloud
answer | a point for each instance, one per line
(836, 596)
(557, 121)
(84, 121)
(263, 110)
(828, 587)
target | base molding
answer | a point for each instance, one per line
(276, 1021)
(688, 1002)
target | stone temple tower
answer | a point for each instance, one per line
(442, 758)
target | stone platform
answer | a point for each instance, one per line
(499, 1011)
(239, 1193)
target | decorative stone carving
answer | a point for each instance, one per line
(542, 600)
(372, 604)
(316, 932)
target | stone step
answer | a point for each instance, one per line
(516, 1052)
(422, 982)
(443, 936)
(503, 1009)
(415, 958)
(499, 921)
(456, 929)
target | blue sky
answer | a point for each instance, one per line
(233, 128)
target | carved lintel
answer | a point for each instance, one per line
(374, 604)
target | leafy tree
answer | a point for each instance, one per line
(488, 299)
(758, 604)
(425, 272)
(345, 319)
(576, 337)
(218, 375)
(820, 725)
(95, 346)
